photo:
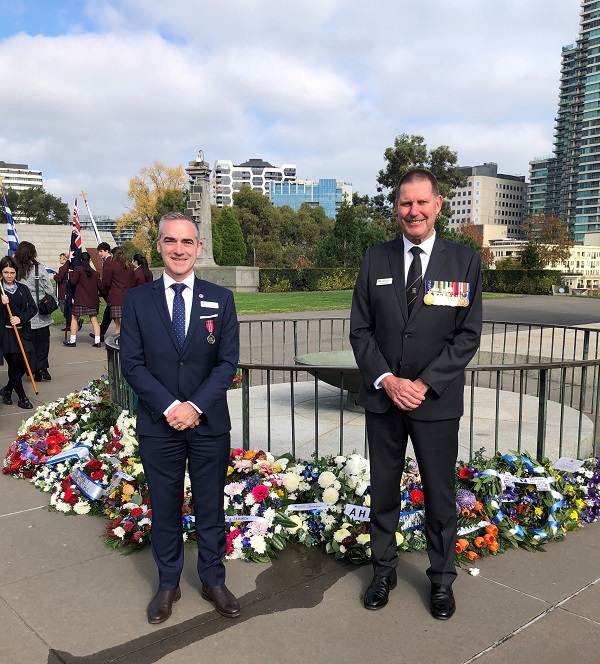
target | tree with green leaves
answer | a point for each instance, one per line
(409, 152)
(233, 251)
(552, 237)
(530, 257)
(36, 206)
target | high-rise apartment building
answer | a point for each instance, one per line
(327, 193)
(493, 201)
(256, 173)
(568, 183)
(19, 176)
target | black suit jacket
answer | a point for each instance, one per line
(159, 372)
(435, 343)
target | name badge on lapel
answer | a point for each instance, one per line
(384, 282)
(447, 293)
(209, 305)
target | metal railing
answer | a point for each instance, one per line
(529, 388)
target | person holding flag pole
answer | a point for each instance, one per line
(19, 308)
(11, 231)
(74, 261)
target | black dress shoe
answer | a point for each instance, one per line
(442, 604)
(161, 606)
(377, 594)
(70, 344)
(223, 599)
(98, 345)
(38, 376)
(6, 396)
(45, 374)
(24, 403)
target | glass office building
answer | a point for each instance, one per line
(327, 192)
(568, 183)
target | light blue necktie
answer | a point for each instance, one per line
(179, 313)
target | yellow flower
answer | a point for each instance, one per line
(574, 515)
(539, 511)
(579, 503)
(128, 490)
(229, 470)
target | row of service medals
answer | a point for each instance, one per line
(447, 293)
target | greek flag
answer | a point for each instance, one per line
(11, 231)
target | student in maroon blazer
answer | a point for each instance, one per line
(61, 280)
(87, 299)
(117, 278)
(141, 271)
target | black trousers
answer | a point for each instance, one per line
(164, 461)
(16, 371)
(40, 339)
(106, 321)
(436, 449)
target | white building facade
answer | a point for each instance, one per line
(19, 176)
(255, 173)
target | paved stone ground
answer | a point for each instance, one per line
(66, 598)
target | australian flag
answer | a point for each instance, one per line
(11, 231)
(74, 261)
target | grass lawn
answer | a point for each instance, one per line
(273, 303)
(268, 303)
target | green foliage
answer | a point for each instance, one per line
(130, 249)
(36, 206)
(461, 238)
(233, 251)
(528, 282)
(530, 257)
(352, 235)
(217, 240)
(155, 259)
(279, 280)
(172, 200)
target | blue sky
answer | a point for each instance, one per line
(95, 90)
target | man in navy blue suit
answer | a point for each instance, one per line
(179, 350)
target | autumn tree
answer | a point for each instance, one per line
(552, 237)
(409, 152)
(147, 190)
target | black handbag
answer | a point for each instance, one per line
(47, 304)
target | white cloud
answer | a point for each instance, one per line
(324, 84)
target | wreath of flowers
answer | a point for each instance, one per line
(508, 500)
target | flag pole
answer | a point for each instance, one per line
(96, 233)
(14, 327)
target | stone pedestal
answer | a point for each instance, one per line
(198, 207)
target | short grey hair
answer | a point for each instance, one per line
(170, 216)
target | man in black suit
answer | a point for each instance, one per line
(179, 350)
(415, 324)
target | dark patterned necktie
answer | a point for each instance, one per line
(414, 278)
(179, 313)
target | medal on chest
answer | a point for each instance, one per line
(210, 326)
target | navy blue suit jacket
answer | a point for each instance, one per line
(434, 343)
(159, 372)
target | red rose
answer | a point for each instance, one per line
(465, 474)
(137, 536)
(93, 464)
(97, 475)
(137, 511)
(128, 526)
(73, 500)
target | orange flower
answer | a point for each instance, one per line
(491, 529)
(465, 513)
(489, 539)
(478, 506)
(462, 545)
(479, 542)
(471, 555)
(494, 546)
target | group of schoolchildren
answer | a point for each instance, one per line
(24, 331)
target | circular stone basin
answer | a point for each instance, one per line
(333, 358)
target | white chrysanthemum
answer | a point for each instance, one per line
(257, 542)
(249, 499)
(82, 507)
(61, 506)
(340, 461)
(185, 537)
(291, 481)
(330, 495)
(326, 479)
(119, 532)
(327, 520)
(364, 539)
(337, 485)
(269, 514)
(144, 522)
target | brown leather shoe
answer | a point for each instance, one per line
(161, 605)
(223, 599)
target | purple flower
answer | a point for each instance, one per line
(465, 499)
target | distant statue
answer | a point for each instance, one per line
(200, 155)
